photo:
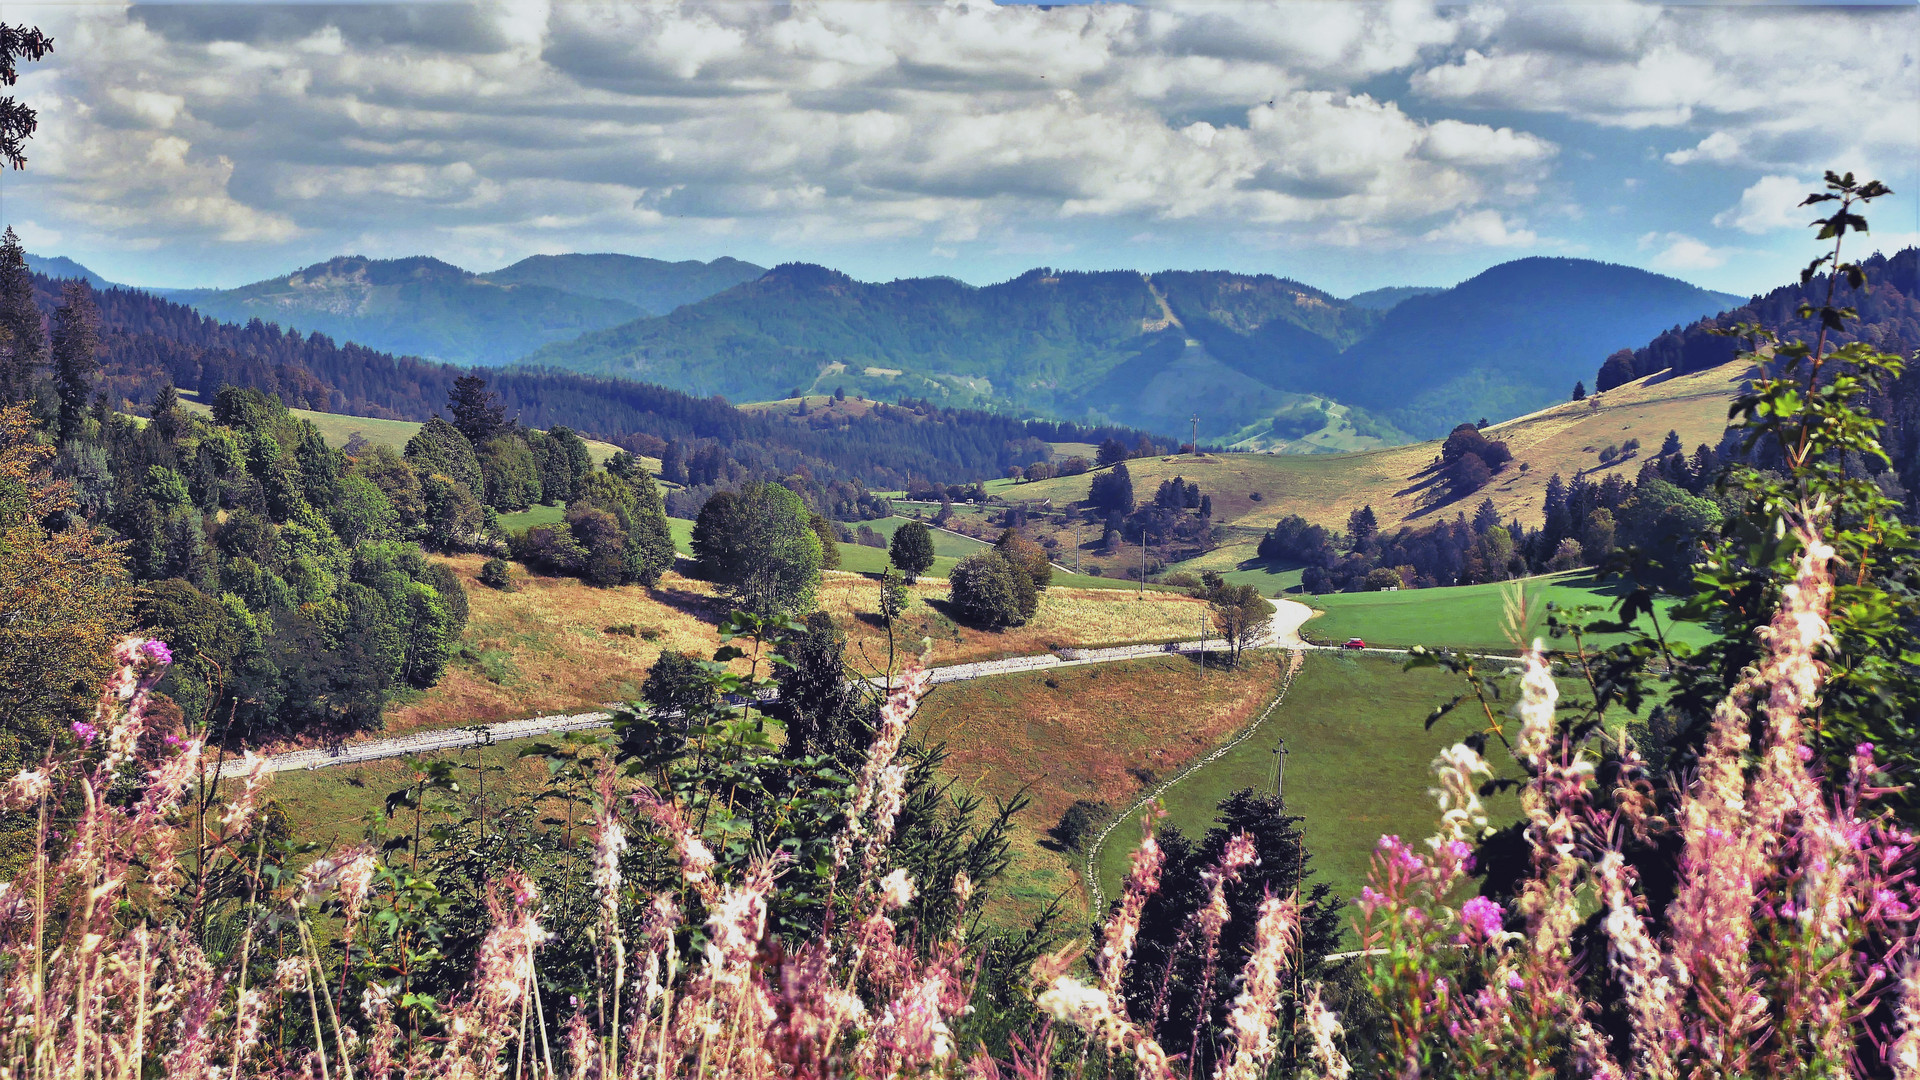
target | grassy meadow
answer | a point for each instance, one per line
(1469, 616)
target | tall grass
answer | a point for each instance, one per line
(135, 943)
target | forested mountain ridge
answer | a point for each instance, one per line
(653, 286)
(1034, 341)
(149, 343)
(1889, 309)
(422, 306)
(1507, 341)
(1148, 349)
(418, 306)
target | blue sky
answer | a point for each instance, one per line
(1348, 145)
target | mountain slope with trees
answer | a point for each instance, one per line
(1147, 349)
(652, 286)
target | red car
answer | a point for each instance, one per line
(1354, 643)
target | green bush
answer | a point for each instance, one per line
(495, 574)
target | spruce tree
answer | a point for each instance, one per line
(23, 340)
(476, 411)
(76, 355)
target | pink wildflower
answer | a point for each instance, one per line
(1143, 880)
(85, 732)
(1481, 920)
(1251, 1021)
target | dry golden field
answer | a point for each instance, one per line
(1324, 488)
(1103, 732)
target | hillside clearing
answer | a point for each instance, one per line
(1324, 488)
(1097, 733)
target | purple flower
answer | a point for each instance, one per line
(157, 651)
(1481, 919)
(87, 732)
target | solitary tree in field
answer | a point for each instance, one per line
(759, 546)
(1240, 613)
(912, 550)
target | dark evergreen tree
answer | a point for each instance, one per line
(1485, 518)
(1172, 980)
(18, 121)
(1671, 444)
(823, 707)
(1112, 491)
(1580, 390)
(673, 462)
(23, 340)
(75, 351)
(476, 411)
(1111, 452)
(1362, 525)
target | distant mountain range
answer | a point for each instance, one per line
(1153, 349)
(1261, 360)
(427, 308)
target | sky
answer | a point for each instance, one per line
(1348, 145)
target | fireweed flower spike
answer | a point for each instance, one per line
(1251, 1023)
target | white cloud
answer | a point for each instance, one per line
(1771, 203)
(1678, 251)
(1717, 148)
(1482, 228)
(503, 125)
(1773, 87)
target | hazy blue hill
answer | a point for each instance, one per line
(1385, 299)
(1510, 340)
(1038, 341)
(59, 266)
(652, 286)
(415, 306)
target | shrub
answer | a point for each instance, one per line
(495, 574)
(1078, 823)
(989, 591)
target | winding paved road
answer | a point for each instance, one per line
(1282, 632)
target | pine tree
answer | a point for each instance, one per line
(1361, 527)
(23, 340)
(476, 411)
(1579, 390)
(1485, 518)
(1671, 445)
(76, 355)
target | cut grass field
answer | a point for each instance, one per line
(1325, 488)
(546, 646)
(1098, 732)
(1469, 616)
(1357, 765)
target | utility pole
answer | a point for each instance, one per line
(1143, 562)
(1196, 434)
(1279, 768)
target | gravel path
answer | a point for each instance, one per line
(1284, 632)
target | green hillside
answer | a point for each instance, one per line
(1264, 362)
